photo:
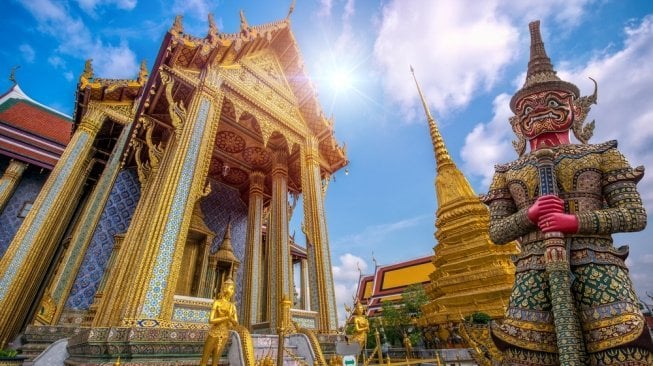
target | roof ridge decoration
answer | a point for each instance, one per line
(12, 75)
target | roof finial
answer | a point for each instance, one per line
(213, 29)
(12, 75)
(142, 73)
(442, 157)
(243, 22)
(177, 28)
(292, 8)
(87, 74)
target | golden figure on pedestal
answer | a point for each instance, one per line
(361, 325)
(222, 318)
(408, 345)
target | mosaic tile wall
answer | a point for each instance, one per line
(225, 202)
(29, 187)
(114, 220)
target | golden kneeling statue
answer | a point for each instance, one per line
(222, 318)
(361, 325)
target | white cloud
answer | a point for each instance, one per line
(325, 8)
(375, 233)
(345, 277)
(89, 6)
(561, 11)
(28, 52)
(75, 40)
(490, 143)
(350, 10)
(57, 62)
(68, 75)
(456, 47)
(197, 8)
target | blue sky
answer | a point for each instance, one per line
(470, 57)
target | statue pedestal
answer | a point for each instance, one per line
(160, 346)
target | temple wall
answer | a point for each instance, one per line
(222, 203)
(29, 187)
(114, 220)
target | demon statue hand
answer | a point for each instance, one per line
(361, 325)
(588, 194)
(222, 319)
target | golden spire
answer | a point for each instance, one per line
(463, 246)
(442, 157)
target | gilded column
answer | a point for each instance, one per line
(204, 264)
(60, 286)
(251, 305)
(304, 296)
(118, 280)
(10, 180)
(180, 183)
(316, 232)
(208, 289)
(24, 265)
(279, 251)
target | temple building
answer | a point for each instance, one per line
(388, 282)
(164, 186)
(471, 274)
(32, 139)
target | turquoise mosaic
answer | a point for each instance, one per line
(115, 219)
(161, 271)
(25, 245)
(181, 314)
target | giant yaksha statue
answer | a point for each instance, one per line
(573, 302)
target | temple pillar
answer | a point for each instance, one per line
(323, 295)
(59, 288)
(108, 312)
(251, 304)
(24, 265)
(304, 302)
(159, 232)
(10, 180)
(279, 281)
(208, 289)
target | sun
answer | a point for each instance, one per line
(341, 80)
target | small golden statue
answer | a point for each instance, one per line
(408, 345)
(222, 318)
(361, 325)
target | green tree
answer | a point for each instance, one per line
(414, 297)
(399, 316)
